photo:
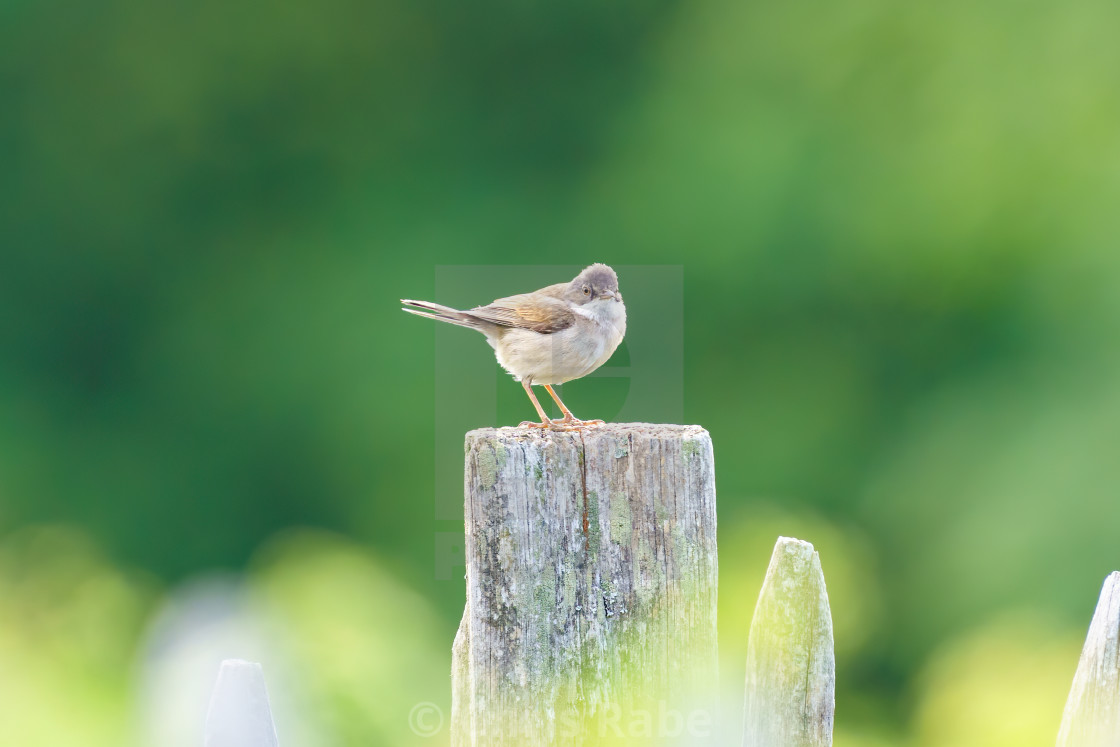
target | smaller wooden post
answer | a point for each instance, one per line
(791, 668)
(239, 715)
(1092, 715)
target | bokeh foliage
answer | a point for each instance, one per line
(898, 228)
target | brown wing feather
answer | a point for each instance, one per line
(542, 311)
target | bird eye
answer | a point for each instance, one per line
(587, 290)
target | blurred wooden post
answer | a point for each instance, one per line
(591, 588)
(791, 668)
(239, 714)
(1092, 715)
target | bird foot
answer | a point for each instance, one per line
(571, 423)
(560, 424)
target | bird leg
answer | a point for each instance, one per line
(569, 418)
(545, 422)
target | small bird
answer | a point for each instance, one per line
(549, 336)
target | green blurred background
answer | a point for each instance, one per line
(897, 225)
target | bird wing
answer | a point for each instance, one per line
(543, 311)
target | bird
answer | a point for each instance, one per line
(549, 336)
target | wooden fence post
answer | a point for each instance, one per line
(239, 715)
(791, 667)
(1092, 714)
(591, 588)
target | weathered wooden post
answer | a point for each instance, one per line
(591, 588)
(1092, 715)
(791, 667)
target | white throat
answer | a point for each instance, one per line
(605, 311)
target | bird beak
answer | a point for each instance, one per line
(614, 295)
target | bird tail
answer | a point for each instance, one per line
(441, 313)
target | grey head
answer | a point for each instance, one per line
(595, 282)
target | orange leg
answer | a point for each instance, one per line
(569, 418)
(545, 422)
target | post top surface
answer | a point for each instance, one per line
(666, 431)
